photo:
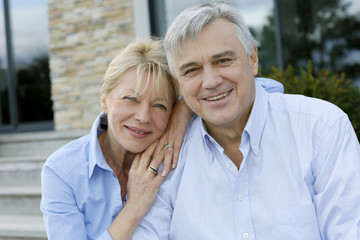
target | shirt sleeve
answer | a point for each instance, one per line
(337, 179)
(62, 218)
(270, 85)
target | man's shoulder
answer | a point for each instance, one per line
(193, 130)
(189, 144)
(304, 106)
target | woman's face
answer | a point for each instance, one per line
(134, 122)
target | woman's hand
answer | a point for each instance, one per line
(142, 187)
(143, 183)
(174, 135)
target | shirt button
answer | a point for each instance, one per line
(255, 147)
(245, 235)
(240, 197)
(228, 165)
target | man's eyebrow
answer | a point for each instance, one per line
(186, 65)
(222, 54)
(216, 56)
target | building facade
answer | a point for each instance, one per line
(84, 37)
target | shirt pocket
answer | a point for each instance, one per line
(298, 222)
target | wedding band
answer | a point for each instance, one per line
(153, 170)
(167, 145)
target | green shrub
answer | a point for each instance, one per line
(321, 84)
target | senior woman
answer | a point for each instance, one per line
(101, 185)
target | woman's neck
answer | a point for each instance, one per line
(118, 159)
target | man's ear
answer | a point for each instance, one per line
(103, 102)
(255, 61)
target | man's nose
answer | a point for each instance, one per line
(211, 77)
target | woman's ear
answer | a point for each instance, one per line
(254, 61)
(103, 102)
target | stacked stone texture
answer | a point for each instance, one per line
(85, 35)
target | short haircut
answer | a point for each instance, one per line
(146, 56)
(189, 23)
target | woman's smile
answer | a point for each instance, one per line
(137, 132)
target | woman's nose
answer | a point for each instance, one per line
(143, 113)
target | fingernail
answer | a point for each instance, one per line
(173, 166)
(163, 173)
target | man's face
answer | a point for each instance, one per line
(216, 76)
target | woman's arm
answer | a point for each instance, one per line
(62, 218)
(142, 188)
(174, 134)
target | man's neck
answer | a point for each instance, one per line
(229, 137)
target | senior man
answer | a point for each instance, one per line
(253, 165)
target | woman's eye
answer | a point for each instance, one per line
(130, 99)
(160, 106)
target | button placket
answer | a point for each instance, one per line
(227, 165)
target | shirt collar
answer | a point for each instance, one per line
(255, 125)
(207, 136)
(96, 157)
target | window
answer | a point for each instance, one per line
(327, 32)
(24, 66)
(4, 93)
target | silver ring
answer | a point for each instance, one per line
(153, 170)
(167, 145)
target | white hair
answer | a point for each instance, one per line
(190, 22)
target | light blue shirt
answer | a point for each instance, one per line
(80, 192)
(299, 178)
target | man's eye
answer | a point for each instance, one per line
(190, 71)
(160, 106)
(224, 61)
(130, 99)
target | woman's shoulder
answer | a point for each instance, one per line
(72, 156)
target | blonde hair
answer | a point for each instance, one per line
(146, 56)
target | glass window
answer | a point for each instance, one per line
(259, 17)
(30, 44)
(4, 98)
(24, 66)
(29, 25)
(324, 31)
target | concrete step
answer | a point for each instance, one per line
(38, 143)
(22, 227)
(17, 200)
(19, 170)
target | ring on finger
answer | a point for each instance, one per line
(167, 145)
(153, 170)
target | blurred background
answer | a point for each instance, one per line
(53, 55)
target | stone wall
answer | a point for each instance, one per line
(85, 35)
